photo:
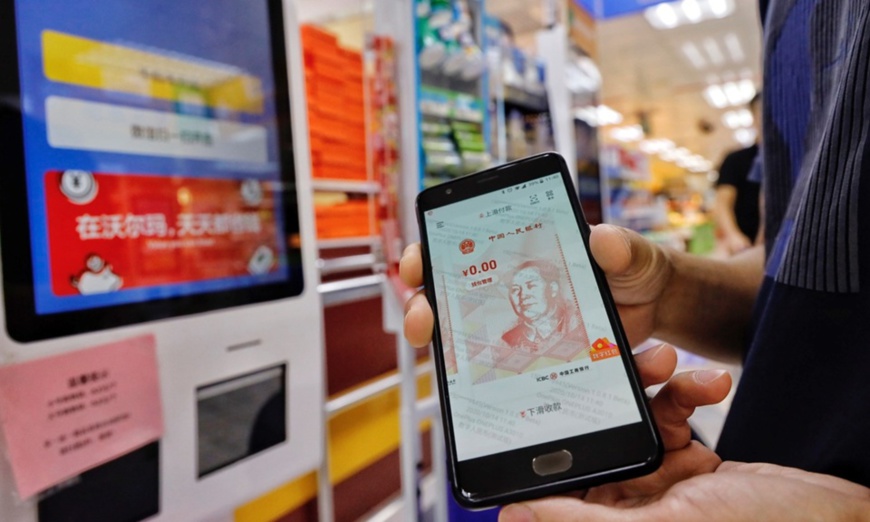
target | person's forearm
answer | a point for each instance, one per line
(726, 222)
(707, 303)
(723, 211)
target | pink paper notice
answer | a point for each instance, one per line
(65, 414)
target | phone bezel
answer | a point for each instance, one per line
(620, 453)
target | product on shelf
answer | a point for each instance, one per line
(339, 215)
(454, 122)
(453, 141)
(336, 107)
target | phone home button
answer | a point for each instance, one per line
(551, 463)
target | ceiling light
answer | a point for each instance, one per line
(732, 43)
(692, 10)
(733, 93)
(747, 90)
(716, 96)
(731, 120)
(738, 119)
(691, 52)
(720, 8)
(627, 134)
(713, 51)
(608, 116)
(683, 153)
(656, 146)
(701, 166)
(730, 94)
(668, 155)
(666, 16)
(745, 137)
(599, 116)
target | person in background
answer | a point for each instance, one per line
(795, 311)
(736, 209)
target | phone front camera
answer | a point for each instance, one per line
(449, 191)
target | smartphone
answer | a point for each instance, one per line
(537, 384)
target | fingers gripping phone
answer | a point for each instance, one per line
(537, 384)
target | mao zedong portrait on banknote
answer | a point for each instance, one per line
(544, 317)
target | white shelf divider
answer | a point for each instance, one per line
(339, 185)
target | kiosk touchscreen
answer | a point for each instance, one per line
(150, 178)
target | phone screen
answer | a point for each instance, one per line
(530, 354)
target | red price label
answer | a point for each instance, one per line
(482, 268)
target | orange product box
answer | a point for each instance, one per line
(352, 57)
(329, 72)
(311, 34)
(333, 59)
(324, 125)
(331, 141)
(331, 99)
(317, 127)
(354, 111)
(356, 135)
(341, 166)
(318, 52)
(353, 92)
(334, 159)
(353, 83)
(355, 95)
(355, 121)
(330, 86)
(333, 111)
(351, 174)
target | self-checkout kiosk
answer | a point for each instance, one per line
(161, 339)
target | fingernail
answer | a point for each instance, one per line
(708, 376)
(652, 353)
(517, 513)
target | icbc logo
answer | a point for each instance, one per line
(466, 246)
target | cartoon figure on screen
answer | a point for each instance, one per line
(544, 318)
(96, 278)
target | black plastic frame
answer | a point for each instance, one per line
(617, 454)
(279, 406)
(23, 324)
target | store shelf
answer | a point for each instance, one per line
(348, 242)
(353, 398)
(338, 185)
(347, 264)
(351, 290)
(530, 102)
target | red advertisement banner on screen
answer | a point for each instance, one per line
(110, 232)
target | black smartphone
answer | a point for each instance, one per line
(538, 388)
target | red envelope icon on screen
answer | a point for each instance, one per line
(603, 349)
(466, 246)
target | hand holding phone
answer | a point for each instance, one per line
(537, 384)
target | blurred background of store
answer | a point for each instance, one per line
(644, 98)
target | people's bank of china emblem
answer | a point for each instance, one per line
(466, 246)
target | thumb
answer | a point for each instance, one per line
(620, 251)
(630, 262)
(563, 509)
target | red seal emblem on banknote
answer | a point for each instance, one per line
(466, 246)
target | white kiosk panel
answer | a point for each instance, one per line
(152, 159)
